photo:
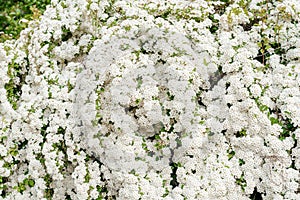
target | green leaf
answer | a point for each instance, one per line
(31, 183)
(274, 120)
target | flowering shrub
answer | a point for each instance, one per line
(153, 100)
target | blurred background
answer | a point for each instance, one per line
(15, 14)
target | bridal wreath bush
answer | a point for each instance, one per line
(153, 99)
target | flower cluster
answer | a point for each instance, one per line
(152, 100)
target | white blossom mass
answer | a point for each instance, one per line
(152, 99)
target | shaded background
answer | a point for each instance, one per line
(12, 11)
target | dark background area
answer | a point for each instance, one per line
(12, 11)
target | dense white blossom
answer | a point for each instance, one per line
(152, 100)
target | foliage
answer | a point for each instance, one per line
(13, 11)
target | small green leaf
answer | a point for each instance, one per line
(31, 183)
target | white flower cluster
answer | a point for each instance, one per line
(153, 100)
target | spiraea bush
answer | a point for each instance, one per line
(152, 100)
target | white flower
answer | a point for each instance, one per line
(255, 89)
(67, 50)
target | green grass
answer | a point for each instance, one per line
(12, 11)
